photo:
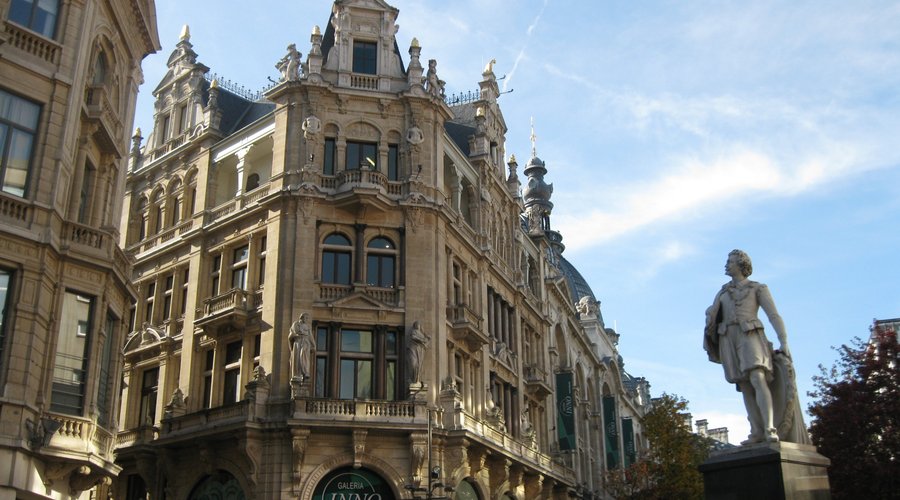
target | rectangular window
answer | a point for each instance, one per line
(362, 155)
(36, 15)
(207, 378)
(328, 160)
(164, 129)
(239, 267)
(393, 172)
(70, 369)
(167, 296)
(148, 302)
(257, 349)
(336, 267)
(365, 58)
(367, 364)
(18, 126)
(149, 391)
(183, 118)
(184, 292)
(214, 274)
(6, 281)
(262, 261)
(232, 380)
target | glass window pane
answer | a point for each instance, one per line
(45, 17)
(393, 172)
(390, 342)
(343, 268)
(381, 243)
(321, 339)
(353, 158)
(387, 272)
(233, 352)
(19, 155)
(337, 239)
(320, 377)
(390, 380)
(348, 369)
(364, 379)
(241, 254)
(356, 341)
(230, 386)
(372, 270)
(328, 161)
(20, 12)
(364, 57)
(370, 156)
(328, 267)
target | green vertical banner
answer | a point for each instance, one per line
(628, 441)
(610, 432)
(565, 411)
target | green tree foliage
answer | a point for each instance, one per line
(669, 468)
(856, 418)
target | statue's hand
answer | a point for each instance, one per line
(784, 350)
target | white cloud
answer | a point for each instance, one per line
(703, 187)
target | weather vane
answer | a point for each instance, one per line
(533, 140)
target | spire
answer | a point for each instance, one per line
(533, 140)
(185, 33)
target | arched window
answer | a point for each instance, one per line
(100, 70)
(336, 259)
(176, 203)
(381, 256)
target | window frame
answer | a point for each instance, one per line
(383, 357)
(48, 31)
(376, 258)
(12, 131)
(355, 155)
(365, 57)
(333, 257)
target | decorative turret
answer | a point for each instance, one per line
(537, 192)
(512, 181)
(183, 57)
(314, 58)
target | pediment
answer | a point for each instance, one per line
(359, 300)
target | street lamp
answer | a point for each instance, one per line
(434, 473)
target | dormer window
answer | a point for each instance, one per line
(365, 59)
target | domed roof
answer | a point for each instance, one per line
(578, 286)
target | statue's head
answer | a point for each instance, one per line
(743, 261)
(304, 317)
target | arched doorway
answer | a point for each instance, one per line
(347, 482)
(218, 486)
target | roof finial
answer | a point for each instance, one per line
(533, 140)
(185, 32)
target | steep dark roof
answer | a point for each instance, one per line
(237, 111)
(460, 135)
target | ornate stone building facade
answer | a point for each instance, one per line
(343, 288)
(69, 75)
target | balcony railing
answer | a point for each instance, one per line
(230, 308)
(212, 417)
(167, 234)
(365, 411)
(465, 326)
(329, 292)
(367, 82)
(81, 435)
(536, 381)
(12, 208)
(361, 177)
(33, 43)
(459, 419)
(242, 201)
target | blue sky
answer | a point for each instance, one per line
(673, 132)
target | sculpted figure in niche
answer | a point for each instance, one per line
(289, 65)
(734, 337)
(302, 348)
(415, 352)
(433, 84)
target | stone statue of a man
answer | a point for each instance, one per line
(734, 337)
(415, 352)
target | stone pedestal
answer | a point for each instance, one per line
(773, 471)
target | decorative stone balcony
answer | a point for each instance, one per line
(14, 210)
(232, 308)
(236, 204)
(331, 293)
(99, 110)
(465, 326)
(373, 413)
(536, 381)
(33, 43)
